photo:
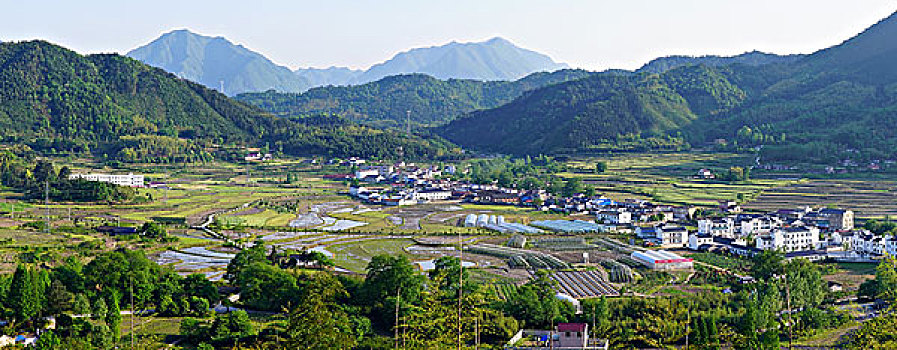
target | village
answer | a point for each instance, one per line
(810, 233)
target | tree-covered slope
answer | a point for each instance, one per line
(838, 103)
(217, 63)
(50, 91)
(51, 97)
(386, 102)
(601, 109)
(753, 58)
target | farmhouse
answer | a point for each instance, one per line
(614, 216)
(790, 239)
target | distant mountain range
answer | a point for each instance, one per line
(491, 60)
(217, 63)
(834, 104)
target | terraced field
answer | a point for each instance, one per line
(667, 178)
(868, 199)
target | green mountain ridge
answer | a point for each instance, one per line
(594, 110)
(753, 58)
(55, 98)
(386, 102)
(837, 103)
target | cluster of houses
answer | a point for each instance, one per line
(808, 233)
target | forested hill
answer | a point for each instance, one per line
(753, 58)
(607, 109)
(386, 102)
(49, 91)
(838, 103)
(52, 98)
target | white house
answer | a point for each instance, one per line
(672, 236)
(790, 239)
(614, 216)
(696, 240)
(723, 227)
(129, 180)
(759, 225)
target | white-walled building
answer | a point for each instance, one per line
(723, 227)
(431, 195)
(614, 216)
(672, 237)
(759, 225)
(790, 239)
(696, 240)
(129, 180)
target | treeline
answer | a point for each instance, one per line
(327, 312)
(43, 180)
(86, 300)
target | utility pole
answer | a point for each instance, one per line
(131, 292)
(790, 320)
(460, 281)
(687, 324)
(408, 122)
(47, 204)
(398, 299)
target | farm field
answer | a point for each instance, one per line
(669, 178)
(868, 199)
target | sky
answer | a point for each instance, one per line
(589, 34)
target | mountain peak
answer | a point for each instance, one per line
(498, 40)
(217, 63)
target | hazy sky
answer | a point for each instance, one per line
(595, 34)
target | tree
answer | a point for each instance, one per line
(232, 326)
(58, 298)
(246, 257)
(24, 296)
(48, 341)
(317, 322)
(589, 191)
(886, 278)
(767, 264)
(572, 186)
(99, 310)
(266, 287)
(81, 305)
(153, 230)
(600, 167)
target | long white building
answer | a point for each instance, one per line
(790, 239)
(129, 180)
